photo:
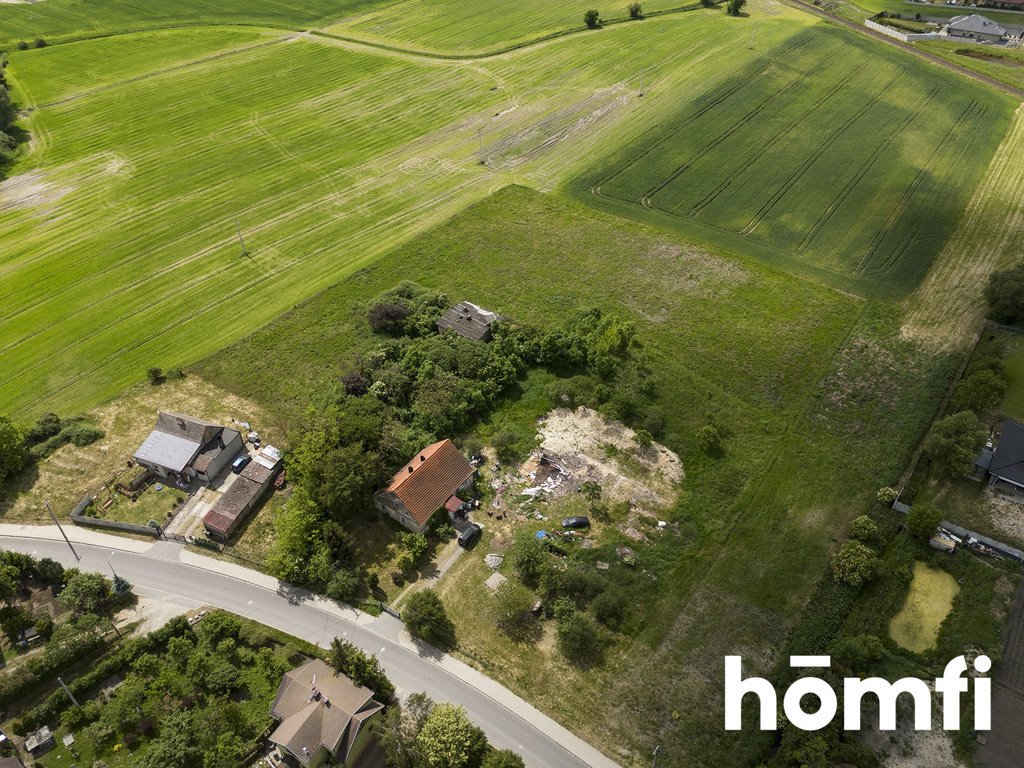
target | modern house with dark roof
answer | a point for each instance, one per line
(323, 717)
(242, 496)
(468, 320)
(1007, 462)
(975, 27)
(186, 448)
(425, 485)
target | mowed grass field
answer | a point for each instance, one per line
(832, 155)
(820, 399)
(118, 244)
(474, 26)
(61, 19)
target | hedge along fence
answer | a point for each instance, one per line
(78, 517)
(51, 708)
(54, 660)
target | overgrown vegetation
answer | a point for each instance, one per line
(416, 386)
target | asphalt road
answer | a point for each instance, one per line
(508, 721)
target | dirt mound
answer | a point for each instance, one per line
(593, 448)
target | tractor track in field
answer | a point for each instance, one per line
(900, 206)
(820, 149)
(165, 71)
(645, 199)
(667, 136)
(804, 6)
(779, 135)
(866, 165)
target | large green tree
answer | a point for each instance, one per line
(953, 442)
(426, 618)
(854, 563)
(85, 592)
(923, 519)
(1005, 295)
(13, 452)
(449, 740)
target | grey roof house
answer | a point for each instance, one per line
(1007, 463)
(188, 448)
(324, 718)
(975, 27)
(468, 320)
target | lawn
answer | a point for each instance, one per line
(57, 19)
(916, 626)
(834, 156)
(819, 398)
(119, 240)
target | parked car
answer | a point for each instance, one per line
(469, 536)
(576, 522)
(239, 464)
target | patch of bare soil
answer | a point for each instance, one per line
(530, 142)
(152, 613)
(594, 449)
(905, 747)
(71, 472)
(29, 190)
(1007, 515)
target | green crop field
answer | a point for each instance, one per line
(832, 155)
(118, 228)
(57, 19)
(472, 26)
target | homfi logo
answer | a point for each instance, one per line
(950, 687)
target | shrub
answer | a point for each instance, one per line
(864, 529)
(578, 639)
(1005, 295)
(355, 383)
(426, 618)
(709, 439)
(854, 564)
(22, 45)
(610, 608)
(388, 317)
(506, 447)
(503, 758)
(922, 520)
(953, 442)
(82, 434)
(343, 586)
(511, 611)
(635, 11)
(40, 42)
(155, 375)
(592, 19)
(643, 438)
(734, 7)
(887, 495)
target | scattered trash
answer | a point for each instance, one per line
(602, 566)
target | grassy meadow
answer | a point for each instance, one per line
(834, 156)
(119, 235)
(819, 398)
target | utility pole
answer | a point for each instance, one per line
(61, 529)
(654, 762)
(69, 693)
(641, 82)
(238, 229)
(480, 145)
(112, 565)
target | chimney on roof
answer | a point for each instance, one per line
(422, 457)
(410, 469)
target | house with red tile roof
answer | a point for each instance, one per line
(425, 485)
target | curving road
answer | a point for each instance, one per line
(165, 571)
